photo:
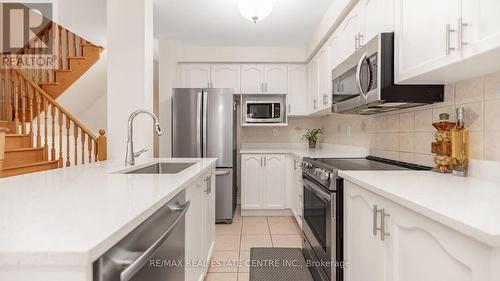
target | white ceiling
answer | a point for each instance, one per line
(219, 23)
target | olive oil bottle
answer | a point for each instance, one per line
(460, 145)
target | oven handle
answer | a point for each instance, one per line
(316, 190)
(137, 264)
(358, 74)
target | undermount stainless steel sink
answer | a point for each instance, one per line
(162, 168)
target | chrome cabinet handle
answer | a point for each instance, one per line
(208, 190)
(360, 42)
(222, 173)
(448, 34)
(356, 40)
(144, 257)
(383, 216)
(461, 26)
(375, 215)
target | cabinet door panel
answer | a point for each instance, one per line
(482, 32)
(226, 76)
(209, 214)
(195, 76)
(378, 17)
(275, 79)
(297, 90)
(324, 79)
(194, 231)
(421, 36)
(273, 184)
(365, 251)
(252, 78)
(251, 181)
(312, 70)
(348, 30)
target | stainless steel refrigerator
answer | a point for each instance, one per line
(204, 126)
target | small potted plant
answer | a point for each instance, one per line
(312, 136)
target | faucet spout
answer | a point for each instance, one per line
(130, 155)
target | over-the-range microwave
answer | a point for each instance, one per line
(264, 111)
(364, 82)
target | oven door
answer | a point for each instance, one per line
(319, 223)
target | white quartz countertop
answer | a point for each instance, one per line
(72, 216)
(300, 151)
(468, 205)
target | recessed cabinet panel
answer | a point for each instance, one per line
(273, 187)
(480, 25)
(195, 76)
(313, 85)
(226, 76)
(348, 30)
(252, 79)
(275, 79)
(297, 90)
(251, 179)
(378, 17)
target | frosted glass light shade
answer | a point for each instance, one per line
(255, 10)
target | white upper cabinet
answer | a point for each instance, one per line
(313, 81)
(334, 45)
(324, 78)
(195, 76)
(226, 76)
(426, 36)
(264, 79)
(348, 31)
(252, 79)
(378, 17)
(297, 90)
(275, 79)
(480, 26)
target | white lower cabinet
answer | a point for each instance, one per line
(200, 227)
(263, 181)
(413, 248)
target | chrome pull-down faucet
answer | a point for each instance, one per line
(130, 154)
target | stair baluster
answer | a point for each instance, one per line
(2, 88)
(23, 86)
(53, 121)
(59, 49)
(16, 103)
(83, 146)
(60, 120)
(89, 143)
(38, 101)
(30, 102)
(76, 143)
(45, 125)
(68, 125)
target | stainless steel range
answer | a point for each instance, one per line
(323, 210)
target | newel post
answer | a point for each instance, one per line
(102, 150)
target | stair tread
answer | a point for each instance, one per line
(23, 149)
(30, 165)
(77, 57)
(16, 135)
(48, 83)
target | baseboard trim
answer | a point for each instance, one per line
(266, 213)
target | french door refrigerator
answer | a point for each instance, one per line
(204, 126)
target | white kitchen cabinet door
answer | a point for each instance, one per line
(481, 26)
(273, 184)
(348, 30)
(226, 76)
(313, 88)
(252, 78)
(421, 36)
(275, 77)
(297, 90)
(195, 76)
(324, 78)
(209, 216)
(194, 246)
(334, 54)
(365, 251)
(378, 17)
(251, 181)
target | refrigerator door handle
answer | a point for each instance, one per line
(198, 124)
(204, 132)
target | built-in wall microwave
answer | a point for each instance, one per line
(264, 111)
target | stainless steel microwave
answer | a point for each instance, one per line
(264, 111)
(364, 82)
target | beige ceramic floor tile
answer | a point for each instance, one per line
(227, 243)
(250, 241)
(244, 261)
(255, 219)
(243, 276)
(224, 261)
(228, 229)
(222, 277)
(287, 241)
(279, 219)
(255, 228)
(283, 228)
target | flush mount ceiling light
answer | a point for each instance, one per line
(255, 10)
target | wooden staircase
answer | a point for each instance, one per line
(36, 132)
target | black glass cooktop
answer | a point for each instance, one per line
(367, 164)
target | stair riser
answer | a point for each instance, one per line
(17, 142)
(27, 170)
(22, 157)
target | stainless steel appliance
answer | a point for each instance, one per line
(264, 111)
(204, 126)
(322, 222)
(146, 252)
(364, 82)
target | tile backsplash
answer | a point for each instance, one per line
(406, 135)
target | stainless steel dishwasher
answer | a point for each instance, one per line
(154, 251)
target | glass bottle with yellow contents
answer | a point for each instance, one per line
(460, 145)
